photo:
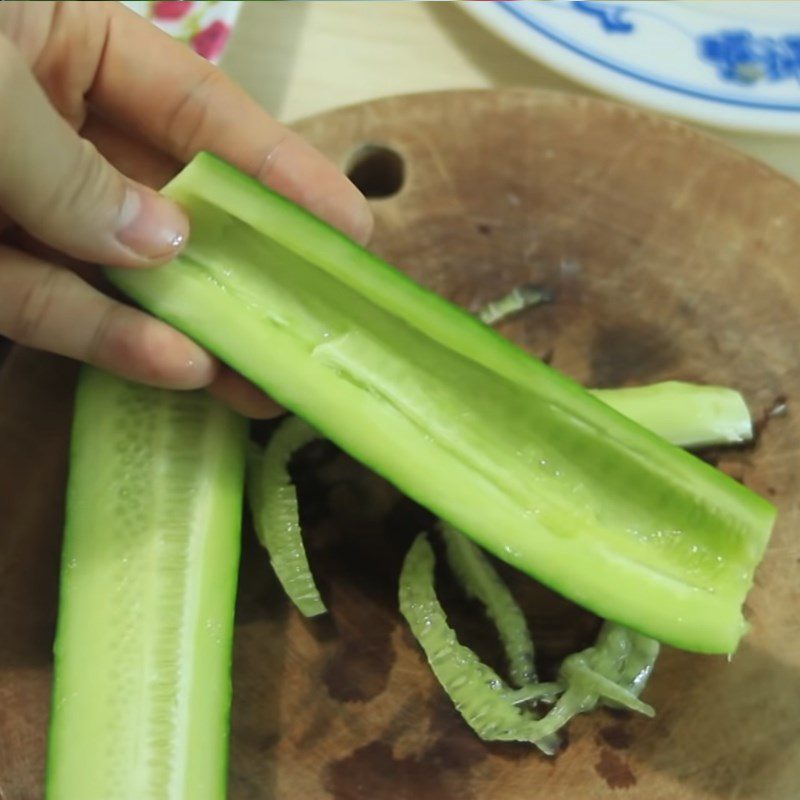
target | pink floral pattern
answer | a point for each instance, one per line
(210, 41)
(205, 25)
(172, 9)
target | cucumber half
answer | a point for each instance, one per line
(503, 447)
(150, 558)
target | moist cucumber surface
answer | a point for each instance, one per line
(150, 559)
(512, 453)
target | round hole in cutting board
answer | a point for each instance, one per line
(377, 171)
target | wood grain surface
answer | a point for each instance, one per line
(670, 256)
(299, 59)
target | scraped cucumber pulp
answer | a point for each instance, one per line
(150, 558)
(486, 703)
(506, 449)
(276, 517)
(478, 579)
(477, 691)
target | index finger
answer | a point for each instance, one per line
(161, 90)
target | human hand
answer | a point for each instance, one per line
(96, 107)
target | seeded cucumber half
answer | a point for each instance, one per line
(150, 558)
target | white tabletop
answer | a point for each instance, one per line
(300, 58)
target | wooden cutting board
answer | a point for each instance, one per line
(670, 256)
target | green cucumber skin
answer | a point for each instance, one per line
(251, 243)
(141, 696)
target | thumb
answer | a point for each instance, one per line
(61, 190)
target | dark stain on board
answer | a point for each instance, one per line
(617, 736)
(623, 353)
(614, 771)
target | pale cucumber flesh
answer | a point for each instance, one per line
(506, 449)
(686, 414)
(150, 558)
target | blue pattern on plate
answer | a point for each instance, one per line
(610, 15)
(741, 57)
(734, 60)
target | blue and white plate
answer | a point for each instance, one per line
(728, 64)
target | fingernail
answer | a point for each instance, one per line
(151, 226)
